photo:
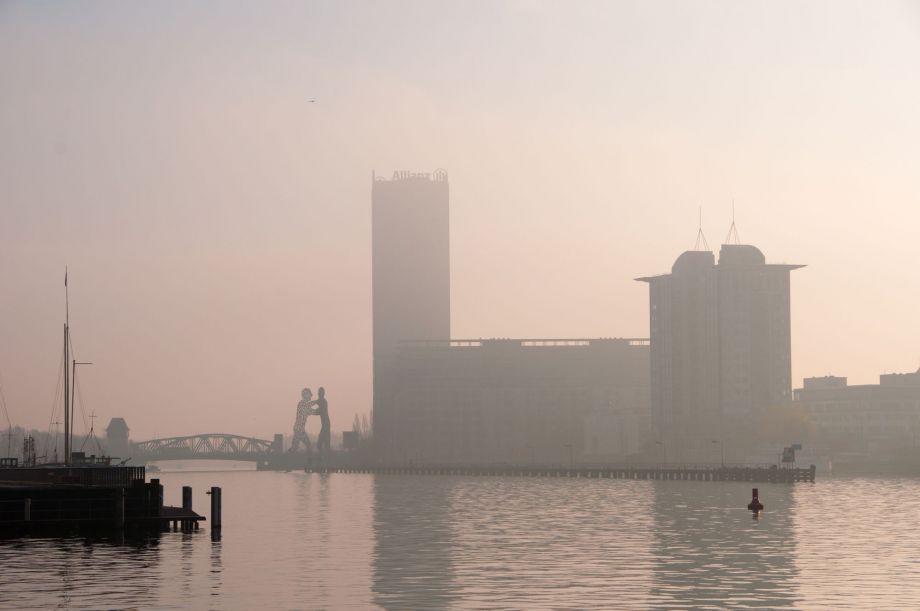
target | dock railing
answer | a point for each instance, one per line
(109, 477)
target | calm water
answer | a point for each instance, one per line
(292, 540)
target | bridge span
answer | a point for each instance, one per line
(207, 446)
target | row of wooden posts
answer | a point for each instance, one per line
(717, 473)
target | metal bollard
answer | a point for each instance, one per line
(215, 507)
(755, 505)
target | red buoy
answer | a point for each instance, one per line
(755, 504)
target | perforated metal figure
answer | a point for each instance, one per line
(325, 434)
(300, 423)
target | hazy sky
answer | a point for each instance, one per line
(217, 224)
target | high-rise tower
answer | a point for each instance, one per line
(720, 347)
(411, 279)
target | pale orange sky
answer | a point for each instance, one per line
(217, 224)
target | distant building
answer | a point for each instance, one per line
(116, 436)
(411, 280)
(443, 400)
(720, 348)
(866, 418)
(502, 400)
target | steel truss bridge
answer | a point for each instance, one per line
(207, 446)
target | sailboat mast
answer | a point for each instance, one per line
(66, 372)
(66, 399)
(73, 395)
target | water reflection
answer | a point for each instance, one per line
(858, 543)
(309, 541)
(531, 543)
(78, 571)
(709, 551)
(186, 563)
(216, 569)
(551, 543)
(323, 560)
(412, 542)
(510, 542)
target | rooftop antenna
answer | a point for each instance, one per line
(732, 237)
(701, 243)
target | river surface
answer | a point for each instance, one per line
(308, 541)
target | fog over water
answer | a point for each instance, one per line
(217, 222)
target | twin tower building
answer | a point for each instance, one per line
(718, 352)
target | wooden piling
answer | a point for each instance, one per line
(215, 507)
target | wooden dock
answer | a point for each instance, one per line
(707, 473)
(82, 500)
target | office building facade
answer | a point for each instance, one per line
(720, 349)
(519, 401)
(864, 422)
